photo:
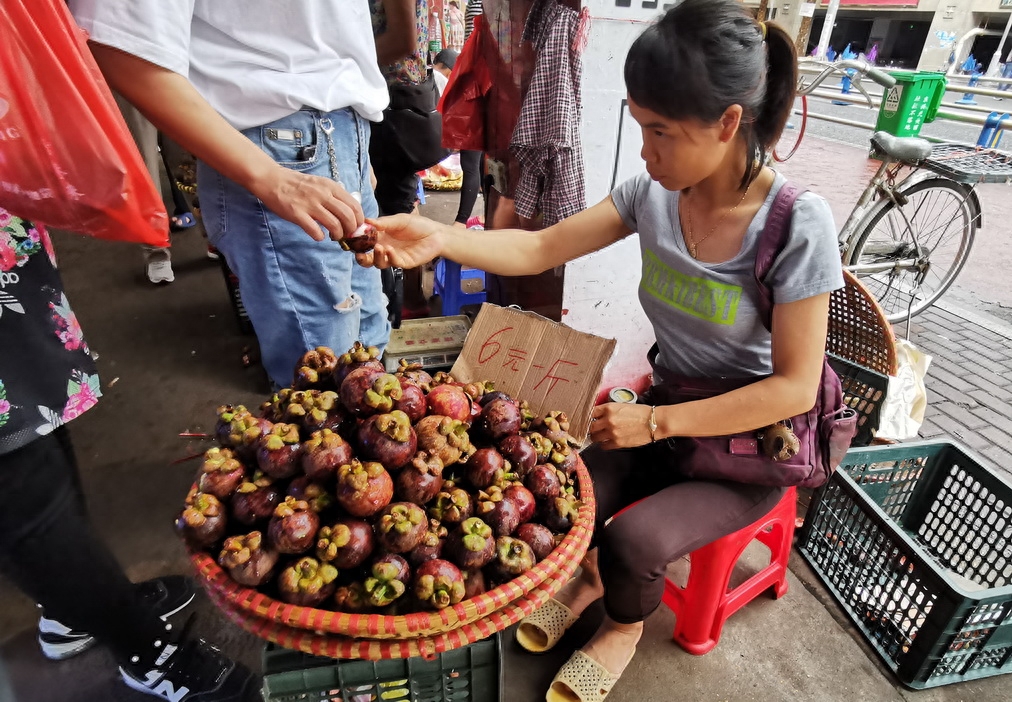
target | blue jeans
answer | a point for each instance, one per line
(299, 293)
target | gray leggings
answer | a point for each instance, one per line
(673, 516)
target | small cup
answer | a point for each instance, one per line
(623, 395)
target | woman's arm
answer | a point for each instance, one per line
(799, 346)
(406, 241)
(401, 35)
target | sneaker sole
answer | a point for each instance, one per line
(62, 651)
(79, 644)
(134, 684)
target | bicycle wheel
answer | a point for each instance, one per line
(929, 239)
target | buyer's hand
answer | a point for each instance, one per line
(405, 241)
(312, 202)
(618, 425)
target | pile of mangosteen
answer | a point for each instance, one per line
(360, 490)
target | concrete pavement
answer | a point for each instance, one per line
(169, 356)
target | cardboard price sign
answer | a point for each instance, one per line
(547, 364)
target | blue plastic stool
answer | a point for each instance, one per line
(449, 277)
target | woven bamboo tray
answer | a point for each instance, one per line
(333, 646)
(258, 606)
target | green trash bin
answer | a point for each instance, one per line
(910, 103)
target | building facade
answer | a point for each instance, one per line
(921, 34)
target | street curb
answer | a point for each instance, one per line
(981, 319)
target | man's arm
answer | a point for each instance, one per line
(173, 105)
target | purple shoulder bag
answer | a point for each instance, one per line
(769, 456)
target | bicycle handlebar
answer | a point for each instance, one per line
(856, 65)
(881, 77)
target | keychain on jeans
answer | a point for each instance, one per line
(328, 127)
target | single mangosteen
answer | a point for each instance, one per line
(513, 557)
(315, 369)
(363, 489)
(421, 480)
(523, 499)
(543, 481)
(452, 505)
(279, 451)
(323, 454)
(519, 451)
(443, 437)
(248, 559)
(450, 401)
(307, 582)
(220, 474)
(538, 537)
(412, 402)
(255, 500)
(389, 578)
(471, 545)
(401, 526)
(293, 527)
(202, 522)
(366, 392)
(431, 545)
(439, 583)
(388, 439)
(346, 544)
(499, 419)
(485, 468)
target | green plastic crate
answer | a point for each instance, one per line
(910, 103)
(915, 543)
(472, 673)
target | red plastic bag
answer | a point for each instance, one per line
(66, 157)
(463, 101)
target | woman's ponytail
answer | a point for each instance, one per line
(781, 87)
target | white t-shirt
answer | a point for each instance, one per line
(441, 80)
(254, 61)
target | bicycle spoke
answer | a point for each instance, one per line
(925, 243)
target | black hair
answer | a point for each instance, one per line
(703, 56)
(447, 57)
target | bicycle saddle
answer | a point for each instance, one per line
(907, 149)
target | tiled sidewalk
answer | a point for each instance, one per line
(969, 382)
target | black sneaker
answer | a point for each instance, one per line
(196, 671)
(166, 596)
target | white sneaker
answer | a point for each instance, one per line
(160, 271)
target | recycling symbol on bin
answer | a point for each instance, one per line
(892, 103)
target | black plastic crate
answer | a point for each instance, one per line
(864, 391)
(915, 543)
(471, 673)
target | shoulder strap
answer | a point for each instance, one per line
(772, 241)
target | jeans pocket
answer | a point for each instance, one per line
(295, 148)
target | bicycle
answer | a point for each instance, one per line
(910, 234)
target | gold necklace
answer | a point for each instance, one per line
(693, 244)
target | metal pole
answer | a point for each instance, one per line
(992, 68)
(827, 28)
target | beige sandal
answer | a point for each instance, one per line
(539, 632)
(582, 679)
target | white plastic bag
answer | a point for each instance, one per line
(906, 400)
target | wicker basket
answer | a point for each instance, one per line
(334, 646)
(858, 329)
(256, 606)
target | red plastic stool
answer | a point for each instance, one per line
(702, 607)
